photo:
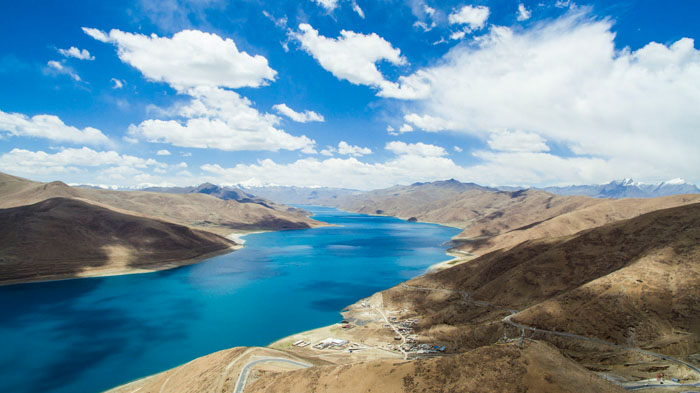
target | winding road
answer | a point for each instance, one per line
(507, 319)
(243, 376)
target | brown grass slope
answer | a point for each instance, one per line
(198, 210)
(62, 237)
(535, 368)
(631, 282)
(536, 218)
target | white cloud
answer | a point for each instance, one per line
(523, 13)
(81, 54)
(300, 117)
(564, 81)
(349, 150)
(116, 83)
(428, 123)
(162, 153)
(220, 119)
(49, 127)
(405, 128)
(189, 58)
(517, 141)
(417, 149)
(279, 22)
(59, 68)
(336, 172)
(458, 149)
(358, 10)
(328, 151)
(328, 5)
(565, 4)
(410, 87)
(114, 165)
(352, 56)
(425, 14)
(474, 17)
(458, 35)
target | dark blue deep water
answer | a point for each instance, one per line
(92, 334)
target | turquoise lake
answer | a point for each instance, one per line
(92, 334)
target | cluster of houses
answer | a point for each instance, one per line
(411, 344)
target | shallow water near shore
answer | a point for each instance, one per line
(92, 334)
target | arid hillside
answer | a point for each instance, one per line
(194, 209)
(535, 368)
(538, 218)
(62, 238)
(538, 367)
(494, 219)
(632, 282)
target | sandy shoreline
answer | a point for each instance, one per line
(238, 236)
(124, 271)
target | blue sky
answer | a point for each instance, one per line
(349, 93)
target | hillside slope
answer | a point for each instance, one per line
(493, 219)
(535, 368)
(197, 210)
(538, 367)
(540, 216)
(62, 237)
(632, 282)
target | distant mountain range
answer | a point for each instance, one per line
(329, 196)
(627, 188)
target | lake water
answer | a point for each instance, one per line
(92, 334)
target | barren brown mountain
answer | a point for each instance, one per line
(535, 368)
(62, 238)
(494, 219)
(489, 234)
(632, 282)
(538, 367)
(196, 210)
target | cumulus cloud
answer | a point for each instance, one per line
(474, 17)
(417, 149)
(523, 13)
(564, 82)
(349, 150)
(189, 58)
(517, 141)
(202, 65)
(458, 149)
(162, 153)
(428, 123)
(405, 128)
(81, 54)
(220, 119)
(111, 164)
(352, 56)
(328, 5)
(49, 127)
(300, 117)
(336, 172)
